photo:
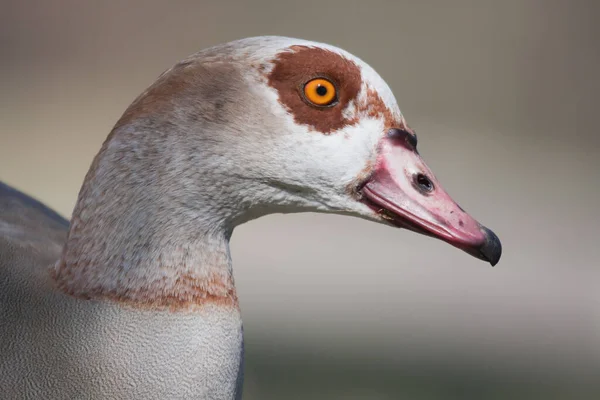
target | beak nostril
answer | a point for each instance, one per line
(423, 183)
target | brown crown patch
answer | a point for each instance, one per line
(292, 69)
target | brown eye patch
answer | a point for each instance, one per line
(301, 64)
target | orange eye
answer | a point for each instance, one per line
(320, 92)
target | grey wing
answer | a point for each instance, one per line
(31, 239)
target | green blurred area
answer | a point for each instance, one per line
(296, 375)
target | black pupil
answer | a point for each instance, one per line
(321, 90)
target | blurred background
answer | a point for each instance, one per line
(503, 95)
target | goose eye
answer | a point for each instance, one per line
(320, 92)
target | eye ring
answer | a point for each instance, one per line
(320, 92)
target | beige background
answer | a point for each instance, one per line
(503, 95)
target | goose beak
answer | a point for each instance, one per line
(405, 193)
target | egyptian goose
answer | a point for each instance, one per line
(141, 303)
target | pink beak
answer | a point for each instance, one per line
(404, 191)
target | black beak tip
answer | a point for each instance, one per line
(491, 250)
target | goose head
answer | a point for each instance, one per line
(244, 129)
(275, 124)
